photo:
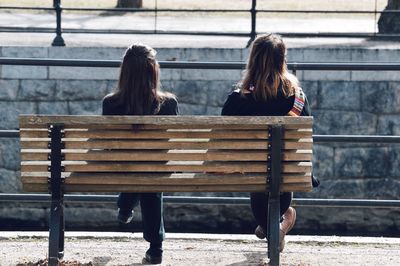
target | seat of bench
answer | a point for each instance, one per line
(165, 153)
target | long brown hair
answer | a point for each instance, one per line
(266, 71)
(139, 81)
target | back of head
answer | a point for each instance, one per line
(266, 71)
(139, 80)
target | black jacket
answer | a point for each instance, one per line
(247, 106)
(168, 107)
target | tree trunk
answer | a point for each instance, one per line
(390, 22)
(130, 3)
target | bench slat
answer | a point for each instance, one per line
(173, 155)
(158, 179)
(159, 144)
(29, 120)
(131, 134)
(174, 188)
(171, 166)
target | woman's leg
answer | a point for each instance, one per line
(127, 201)
(152, 217)
(259, 206)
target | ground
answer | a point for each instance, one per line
(199, 249)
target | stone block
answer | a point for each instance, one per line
(210, 74)
(381, 97)
(16, 217)
(169, 54)
(211, 110)
(375, 55)
(327, 55)
(394, 160)
(80, 217)
(382, 188)
(81, 89)
(37, 90)
(375, 75)
(8, 89)
(337, 188)
(191, 92)
(10, 181)
(9, 112)
(53, 108)
(9, 154)
(192, 109)
(85, 107)
(326, 75)
(111, 86)
(98, 53)
(362, 162)
(382, 220)
(211, 54)
(80, 73)
(24, 72)
(25, 52)
(170, 74)
(388, 125)
(218, 92)
(339, 95)
(168, 86)
(310, 88)
(295, 55)
(323, 161)
(333, 122)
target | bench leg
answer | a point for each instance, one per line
(61, 233)
(56, 234)
(275, 167)
(273, 230)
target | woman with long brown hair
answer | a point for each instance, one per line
(268, 89)
(138, 93)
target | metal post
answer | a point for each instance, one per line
(58, 40)
(253, 12)
(56, 230)
(275, 176)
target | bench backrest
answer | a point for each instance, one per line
(165, 153)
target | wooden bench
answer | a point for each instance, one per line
(62, 154)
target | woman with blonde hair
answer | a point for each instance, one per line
(138, 93)
(268, 89)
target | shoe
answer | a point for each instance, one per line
(124, 216)
(289, 219)
(260, 232)
(154, 254)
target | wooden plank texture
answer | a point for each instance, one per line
(165, 144)
(171, 166)
(171, 133)
(27, 120)
(166, 155)
(128, 188)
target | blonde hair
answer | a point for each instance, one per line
(266, 71)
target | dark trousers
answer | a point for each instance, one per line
(259, 206)
(151, 205)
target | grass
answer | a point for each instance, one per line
(365, 5)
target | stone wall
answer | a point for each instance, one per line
(343, 102)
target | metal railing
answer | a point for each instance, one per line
(293, 66)
(366, 203)
(253, 11)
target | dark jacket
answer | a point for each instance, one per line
(168, 107)
(247, 106)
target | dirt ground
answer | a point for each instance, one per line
(183, 250)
